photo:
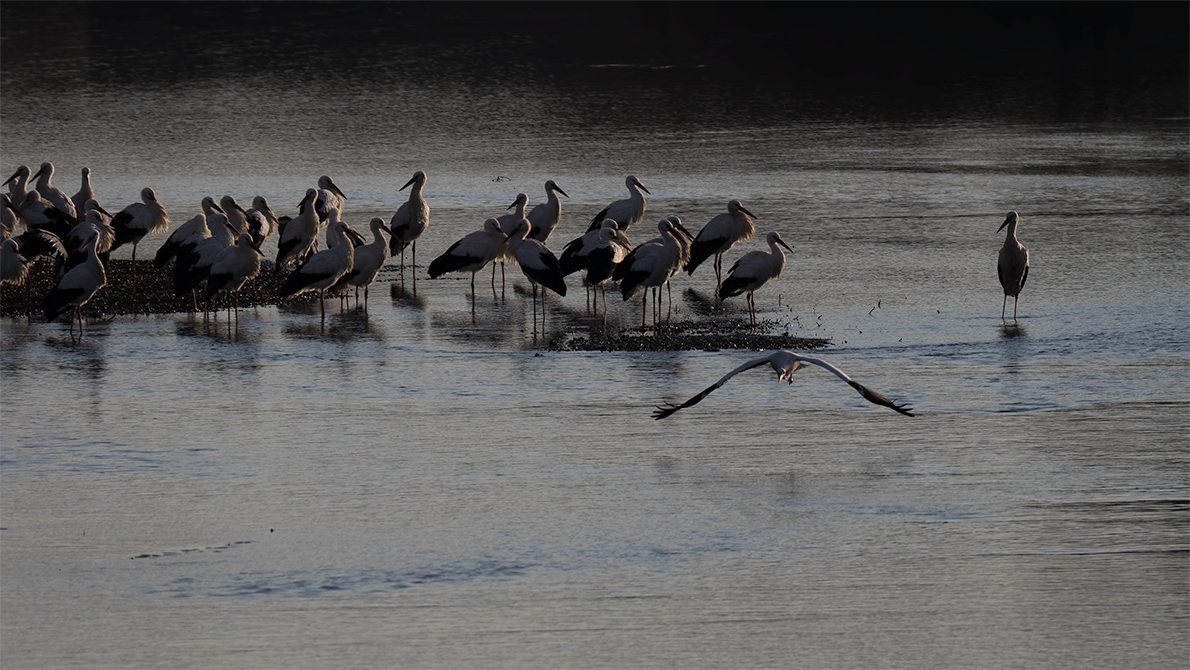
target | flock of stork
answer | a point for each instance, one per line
(221, 247)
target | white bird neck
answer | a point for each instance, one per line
(93, 262)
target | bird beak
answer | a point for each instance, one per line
(642, 187)
(782, 243)
(512, 205)
(35, 174)
(218, 208)
(231, 227)
(564, 192)
(1004, 224)
(386, 229)
(748, 213)
(681, 228)
(99, 208)
(337, 191)
(411, 180)
(9, 181)
(241, 210)
(256, 248)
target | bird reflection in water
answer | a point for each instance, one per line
(1012, 330)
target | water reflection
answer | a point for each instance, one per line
(1013, 330)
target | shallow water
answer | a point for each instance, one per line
(421, 485)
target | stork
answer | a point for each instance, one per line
(1012, 265)
(752, 270)
(785, 363)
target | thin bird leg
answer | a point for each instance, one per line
(1004, 307)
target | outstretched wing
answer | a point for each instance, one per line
(662, 412)
(870, 395)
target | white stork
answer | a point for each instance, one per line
(232, 268)
(538, 264)
(54, 195)
(85, 193)
(717, 237)
(139, 219)
(624, 212)
(752, 270)
(544, 218)
(1012, 265)
(297, 236)
(75, 288)
(409, 222)
(323, 269)
(785, 363)
(473, 253)
(369, 258)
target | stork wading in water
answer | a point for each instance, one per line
(624, 212)
(324, 268)
(409, 222)
(753, 270)
(233, 267)
(76, 287)
(369, 258)
(785, 363)
(1013, 264)
(718, 236)
(602, 261)
(538, 264)
(472, 254)
(650, 265)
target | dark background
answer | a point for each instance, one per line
(1044, 61)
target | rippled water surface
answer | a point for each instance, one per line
(422, 485)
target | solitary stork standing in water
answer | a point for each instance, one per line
(624, 212)
(753, 270)
(717, 237)
(1013, 264)
(409, 222)
(54, 195)
(76, 287)
(785, 363)
(544, 218)
(139, 219)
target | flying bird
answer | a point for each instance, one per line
(785, 363)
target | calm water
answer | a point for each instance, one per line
(418, 486)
